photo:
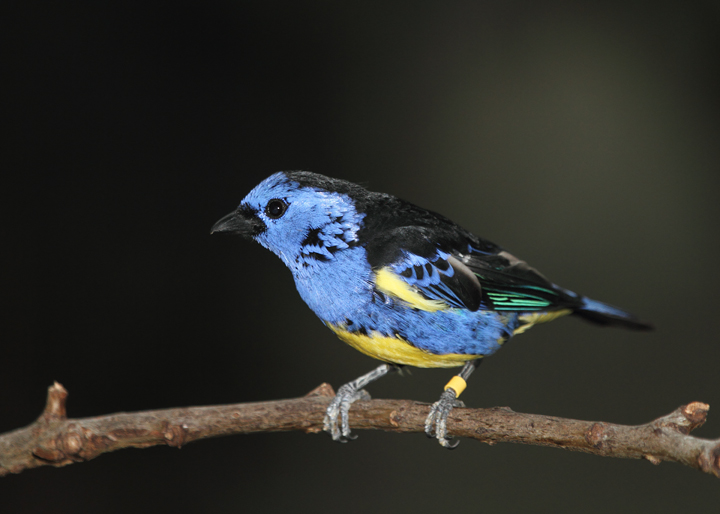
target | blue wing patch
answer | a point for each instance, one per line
(440, 278)
(429, 276)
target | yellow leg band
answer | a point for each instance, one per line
(457, 384)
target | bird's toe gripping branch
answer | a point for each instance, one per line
(436, 422)
(336, 421)
(336, 416)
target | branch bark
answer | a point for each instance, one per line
(55, 440)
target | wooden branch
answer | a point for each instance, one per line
(55, 440)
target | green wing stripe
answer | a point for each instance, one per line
(506, 300)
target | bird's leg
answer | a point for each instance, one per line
(347, 394)
(448, 399)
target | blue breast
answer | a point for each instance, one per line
(341, 292)
(336, 288)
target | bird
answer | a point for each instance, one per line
(402, 284)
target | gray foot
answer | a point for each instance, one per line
(438, 418)
(336, 416)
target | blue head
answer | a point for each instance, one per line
(302, 217)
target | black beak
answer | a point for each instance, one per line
(243, 222)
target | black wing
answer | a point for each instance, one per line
(426, 256)
(445, 262)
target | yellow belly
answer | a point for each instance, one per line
(398, 351)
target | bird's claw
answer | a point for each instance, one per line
(436, 422)
(336, 421)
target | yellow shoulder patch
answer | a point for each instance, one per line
(389, 283)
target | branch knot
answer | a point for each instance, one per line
(57, 441)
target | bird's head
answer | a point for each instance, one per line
(302, 217)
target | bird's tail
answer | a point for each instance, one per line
(604, 314)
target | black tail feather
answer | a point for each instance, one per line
(604, 314)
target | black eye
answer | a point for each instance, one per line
(275, 208)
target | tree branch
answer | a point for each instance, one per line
(55, 440)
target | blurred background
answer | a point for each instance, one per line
(583, 138)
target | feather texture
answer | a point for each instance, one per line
(398, 282)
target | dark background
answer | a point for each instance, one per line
(586, 140)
